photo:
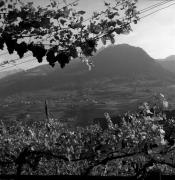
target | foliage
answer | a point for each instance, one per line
(62, 34)
(136, 146)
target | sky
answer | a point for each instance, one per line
(155, 33)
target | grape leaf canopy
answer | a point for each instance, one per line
(61, 33)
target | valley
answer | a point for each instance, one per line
(79, 107)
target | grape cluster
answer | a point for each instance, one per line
(21, 49)
(51, 57)
(38, 51)
(10, 43)
(62, 57)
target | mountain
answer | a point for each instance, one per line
(126, 60)
(168, 63)
(123, 62)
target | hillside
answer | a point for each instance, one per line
(4, 74)
(168, 63)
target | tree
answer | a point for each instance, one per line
(62, 34)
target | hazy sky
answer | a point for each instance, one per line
(155, 33)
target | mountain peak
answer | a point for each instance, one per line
(122, 59)
(125, 49)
